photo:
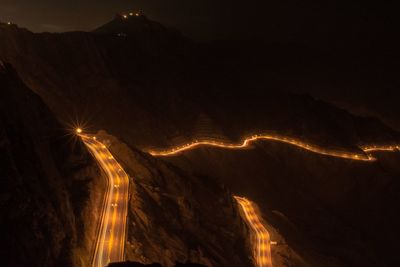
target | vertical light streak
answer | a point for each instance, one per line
(111, 236)
(262, 247)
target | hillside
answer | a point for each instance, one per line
(150, 87)
(158, 89)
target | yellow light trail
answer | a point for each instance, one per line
(390, 148)
(262, 248)
(110, 242)
(288, 140)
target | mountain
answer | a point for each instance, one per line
(157, 89)
(52, 196)
(136, 25)
(149, 87)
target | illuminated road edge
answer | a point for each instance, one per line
(110, 242)
(283, 139)
(262, 248)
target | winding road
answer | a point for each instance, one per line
(262, 246)
(284, 139)
(111, 236)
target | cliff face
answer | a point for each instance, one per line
(49, 184)
(178, 216)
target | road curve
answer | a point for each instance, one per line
(292, 141)
(110, 242)
(111, 237)
(262, 246)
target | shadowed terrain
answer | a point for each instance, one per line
(51, 189)
(152, 88)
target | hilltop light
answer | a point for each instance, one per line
(131, 14)
(137, 14)
(9, 23)
(125, 16)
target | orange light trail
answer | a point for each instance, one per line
(110, 242)
(362, 156)
(262, 248)
(389, 148)
(111, 238)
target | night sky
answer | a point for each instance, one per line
(286, 20)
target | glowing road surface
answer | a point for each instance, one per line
(262, 246)
(111, 237)
(292, 141)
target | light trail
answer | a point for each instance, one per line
(389, 148)
(262, 248)
(110, 242)
(365, 156)
(111, 237)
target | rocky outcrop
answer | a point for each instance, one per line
(178, 216)
(50, 191)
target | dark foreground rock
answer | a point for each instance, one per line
(137, 264)
(50, 187)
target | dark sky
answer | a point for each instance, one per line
(215, 19)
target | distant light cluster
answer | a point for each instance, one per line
(131, 14)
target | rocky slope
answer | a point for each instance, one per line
(331, 212)
(178, 217)
(50, 186)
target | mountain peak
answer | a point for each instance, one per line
(130, 23)
(131, 14)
